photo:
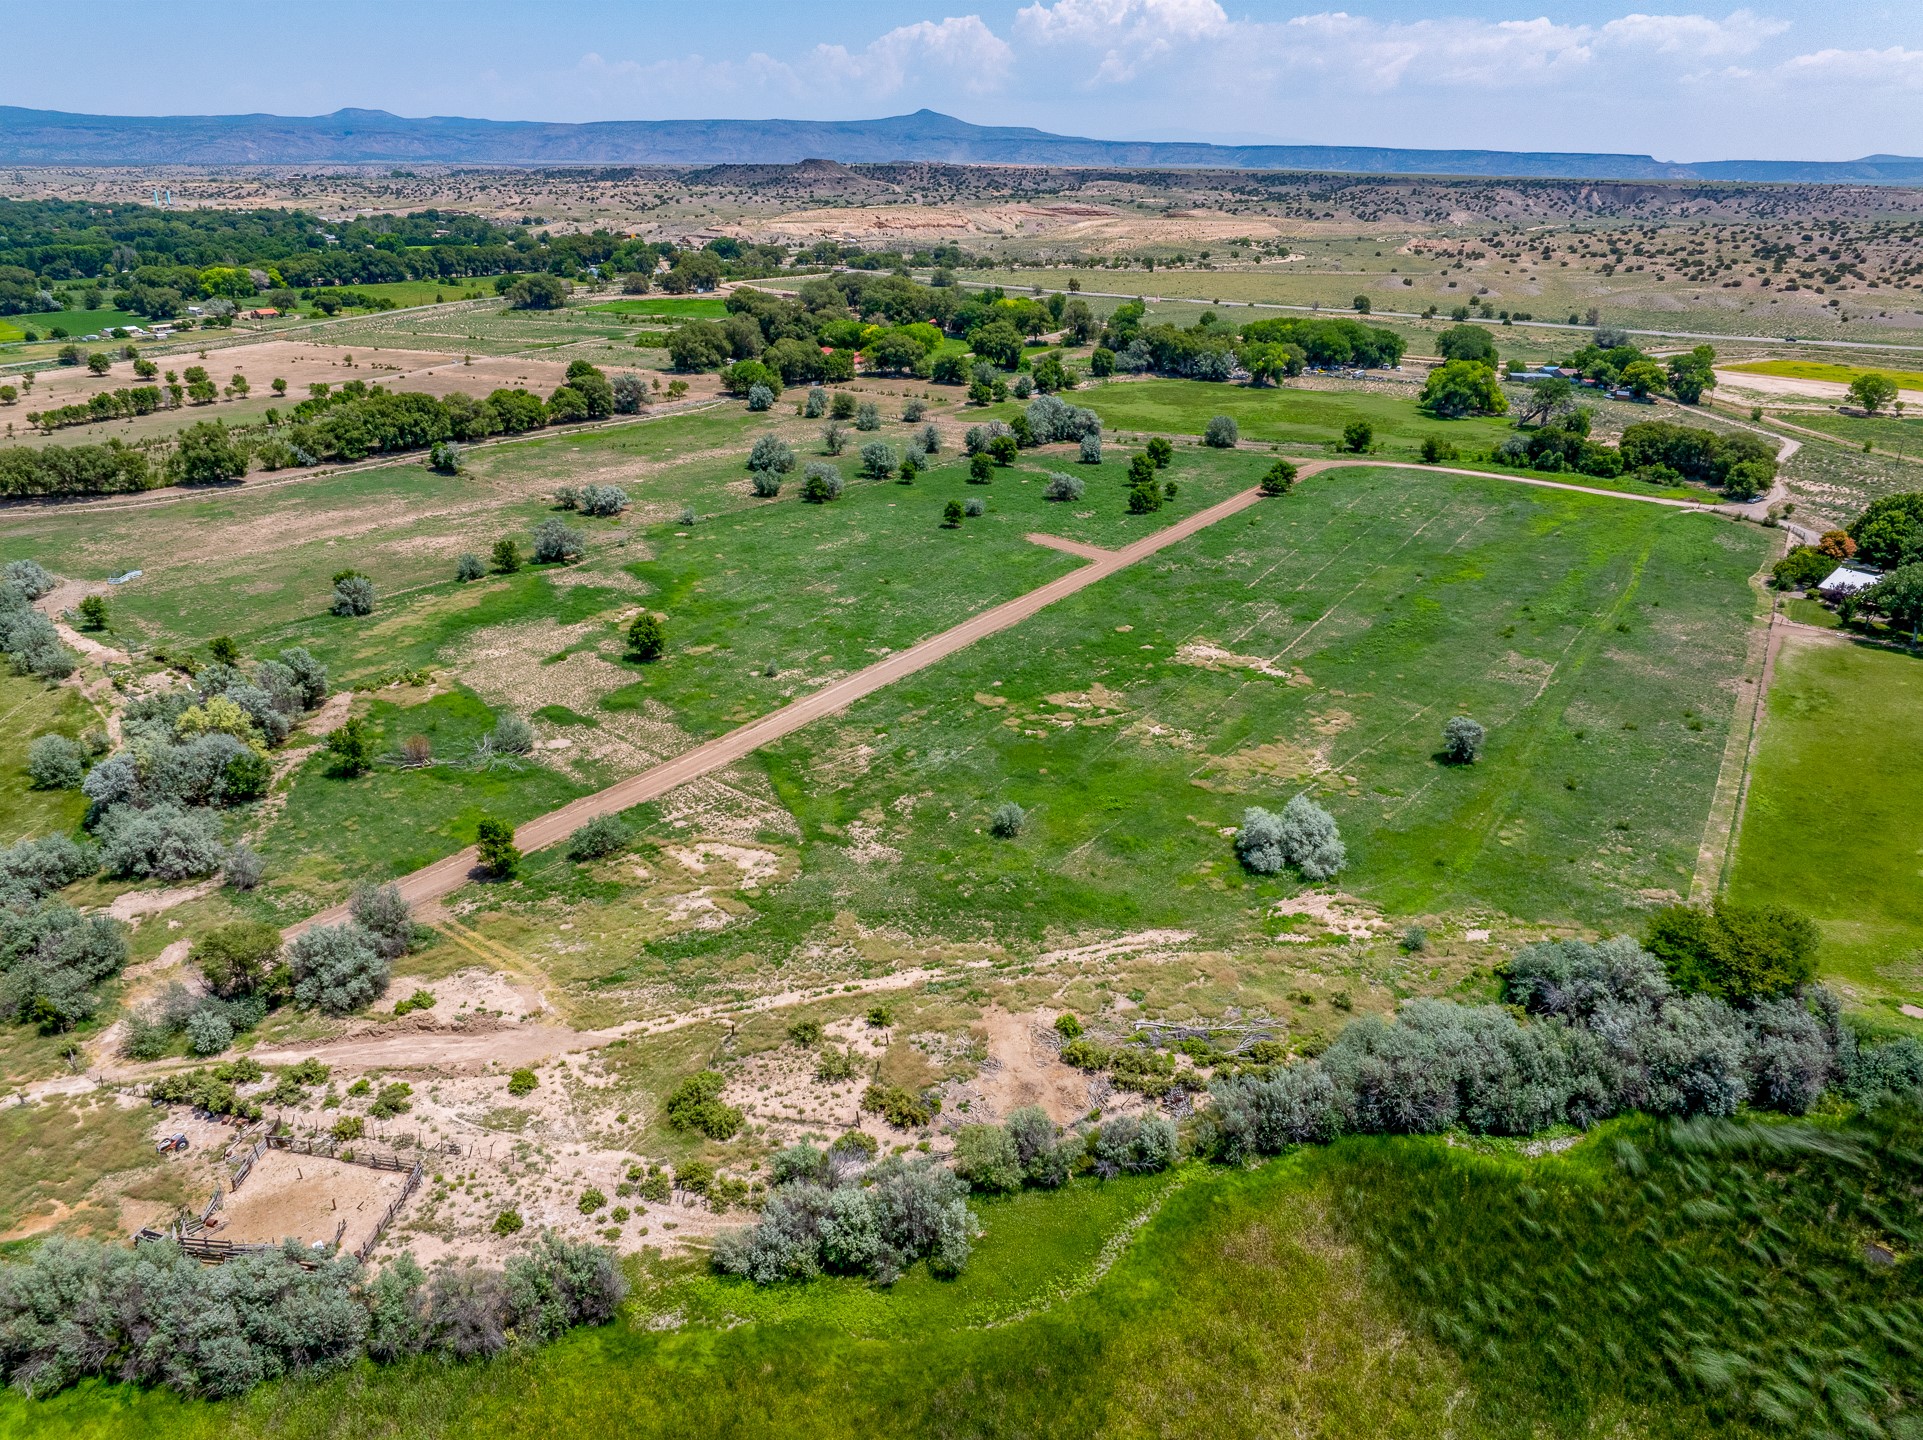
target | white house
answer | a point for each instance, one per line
(1846, 580)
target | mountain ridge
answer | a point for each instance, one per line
(360, 137)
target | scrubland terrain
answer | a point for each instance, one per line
(845, 930)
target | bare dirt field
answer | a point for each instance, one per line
(1731, 382)
(301, 364)
(307, 1197)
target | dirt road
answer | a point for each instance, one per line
(445, 876)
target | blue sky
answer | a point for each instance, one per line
(1797, 79)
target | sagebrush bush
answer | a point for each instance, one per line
(601, 837)
(337, 969)
(1303, 835)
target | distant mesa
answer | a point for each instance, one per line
(823, 147)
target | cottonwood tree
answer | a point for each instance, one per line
(1870, 393)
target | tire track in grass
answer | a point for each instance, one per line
(1500, 806)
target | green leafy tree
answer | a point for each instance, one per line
(1462, 740)
(647, 637)
(537, 292)
(1642, 378)
(1870, 393)
(495, 840)
(695, 1104)
(1358, 436)
(1279, 479)
(1735, 951)
(93, 612)
(1467, 342)
(1463, 387)
(507, 555)
(1899, 596)
(1144, 497)
(1545, 398)
(352, 746)
(1691, 375)
(238, 958)
(951, 515)
(1160, 452)
(981, 469)
(206, 454)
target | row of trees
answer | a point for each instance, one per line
(150, 1315)
(1606, 1029)
(347, 423)
(155, 261)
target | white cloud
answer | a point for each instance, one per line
(958, 53)
(1129, 32)
(1894, 68)
(1125, 36)
(1434, 52)
(960, 47)
(1740, 32)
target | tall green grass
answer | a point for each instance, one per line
(1720, 1275)
(1695, 1281)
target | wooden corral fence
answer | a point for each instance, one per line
(348, 1154)
(189, 1231)
(246, 1165)
(413, 1182)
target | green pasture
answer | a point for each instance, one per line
(256, 560)
(1824, 370)
(1315, 643)
(29, 708)
(334, 832)
(818, 590)
(1830, 825)
(1281, 414)
(1885, 432)
(1382, 1288)
(76, 323)
(423, 292)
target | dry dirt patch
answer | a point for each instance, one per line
(301, 364)
(1024, 1068)
(307, 1197)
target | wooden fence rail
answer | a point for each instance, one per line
(413, 1181)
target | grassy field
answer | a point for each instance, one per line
(1334, 271)
(30, 708)
(55, 1150)
(1319, 645)
(1381, 1288)
(255, 561)
(1886, 432)
(677, 307)
(1291, 416)
(334, 832)
(426, 292)
(1831, 806)
(1823, 370)
(75, 322)
(1316, 645)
